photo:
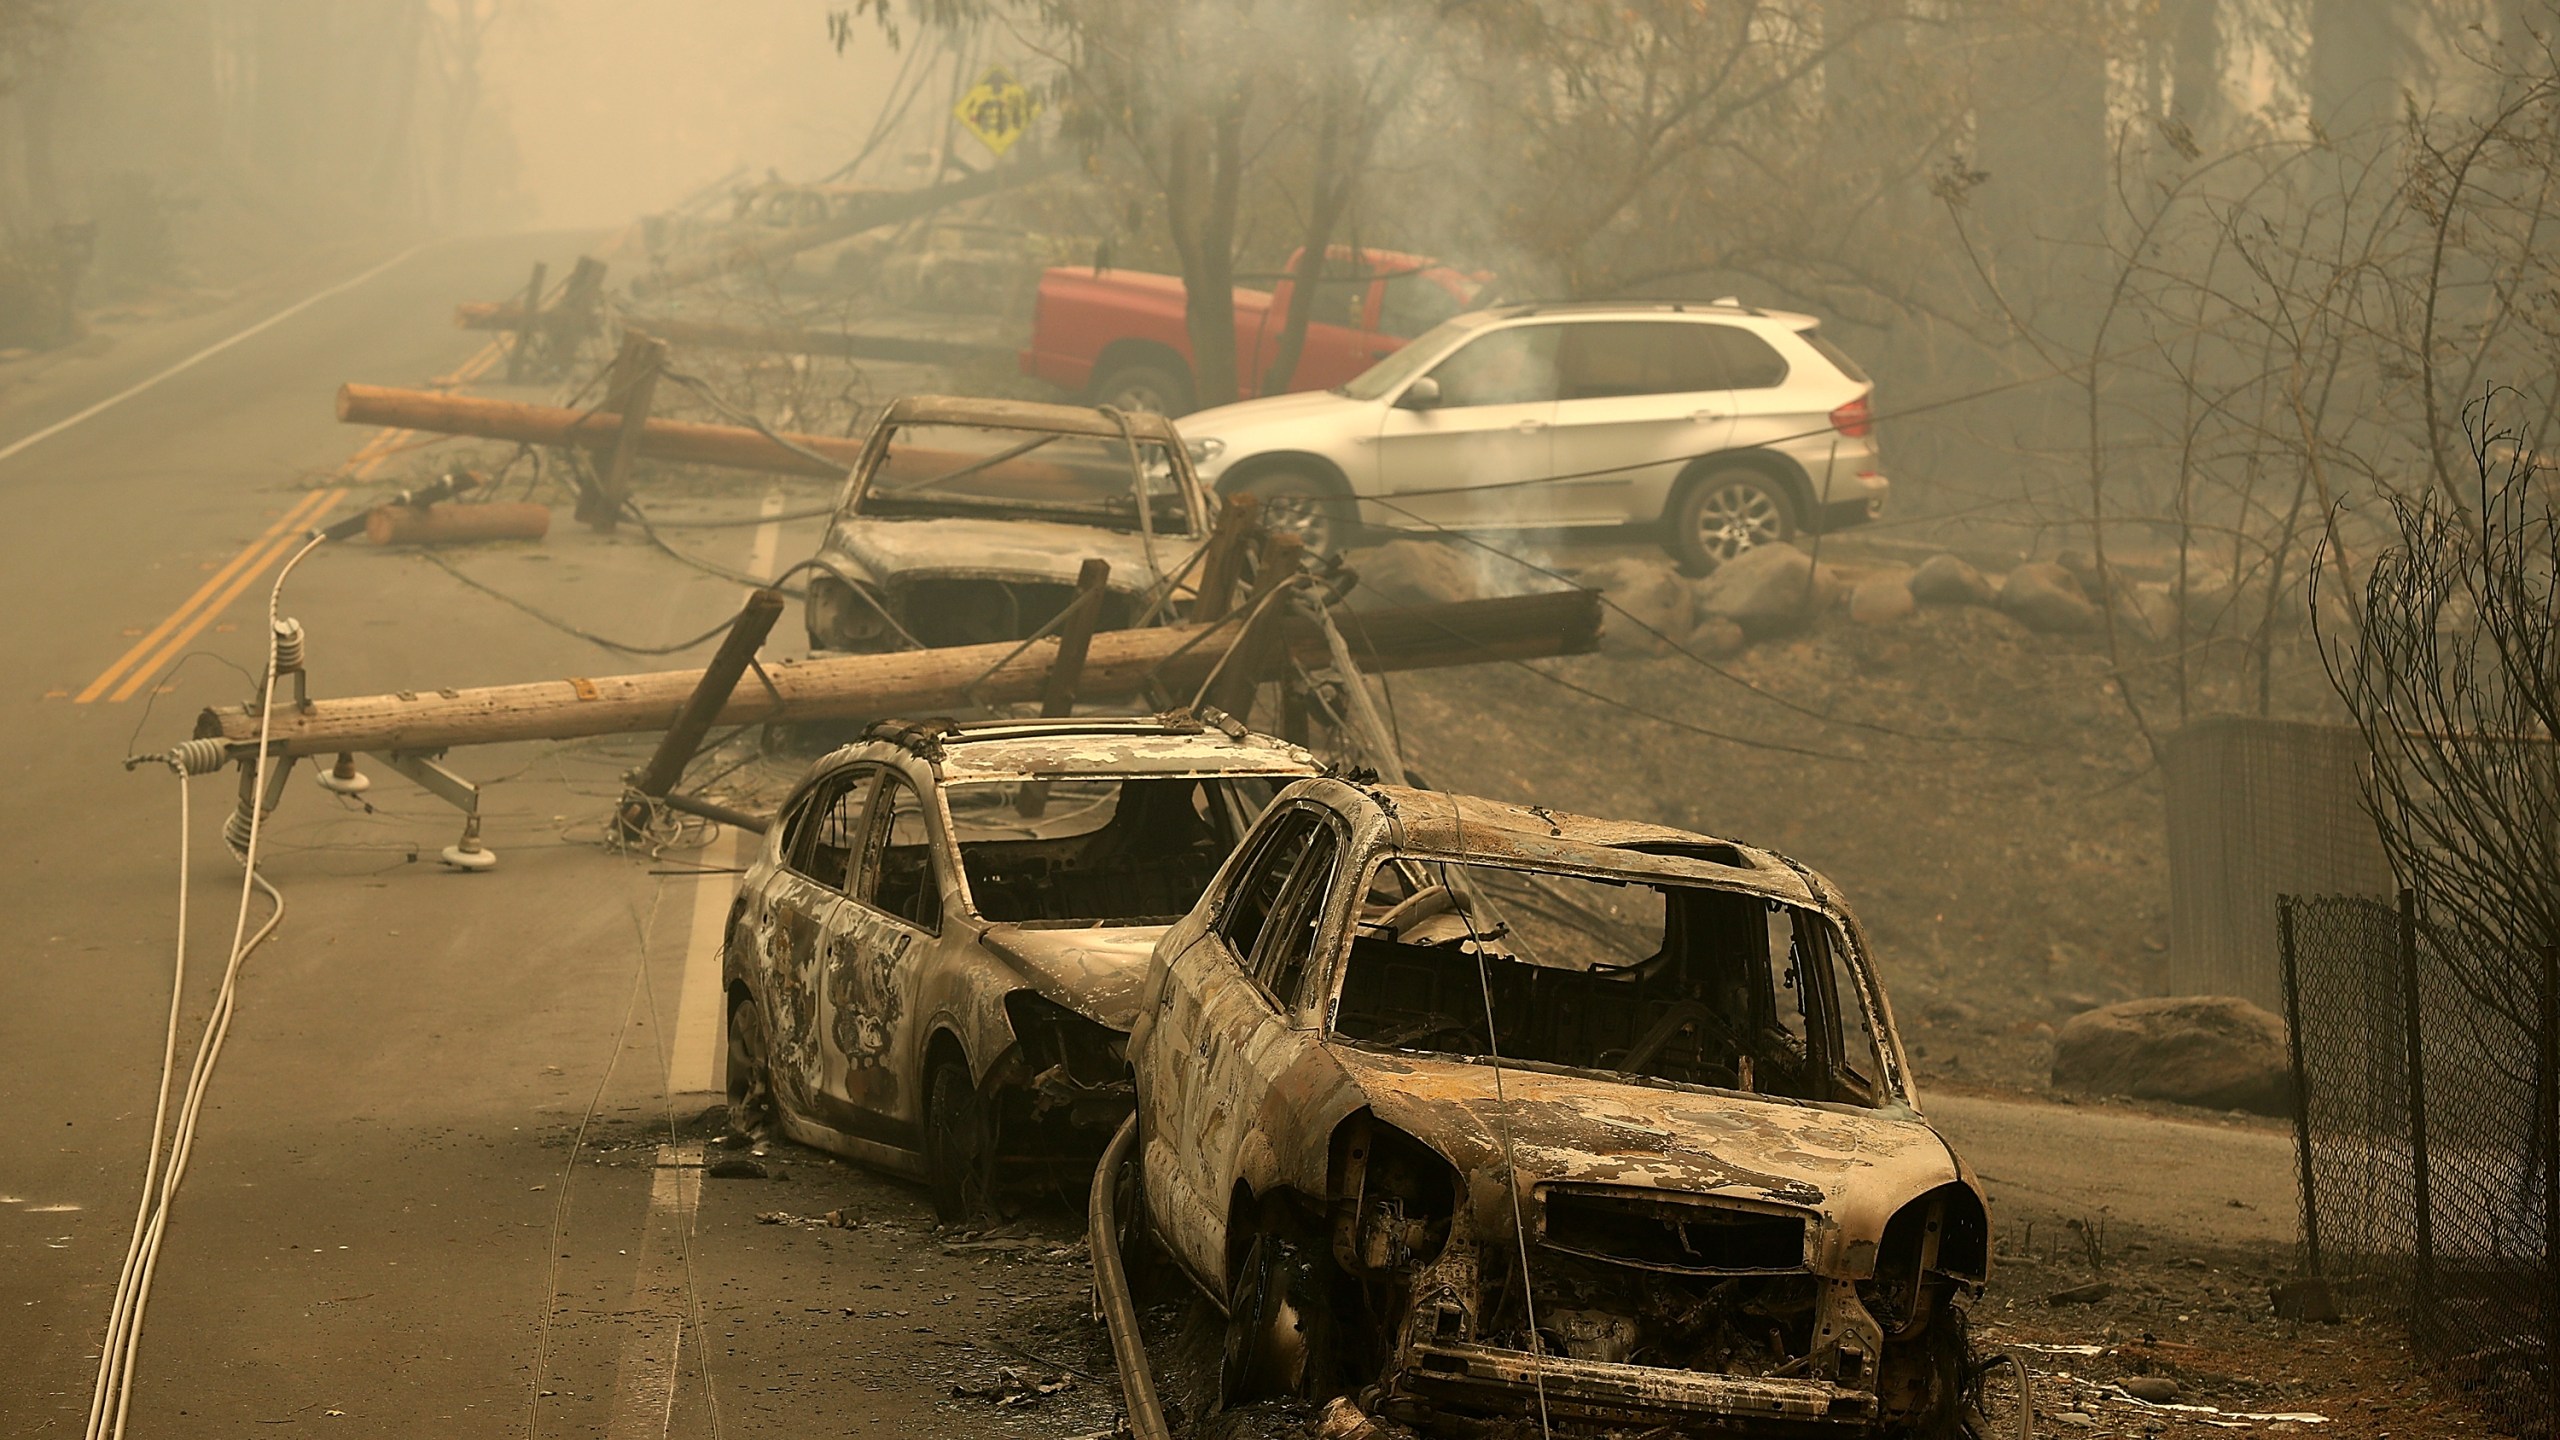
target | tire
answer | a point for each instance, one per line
(959, 1144)
(1312, 507)
(1280, 1325)
(1139, 385)
(1725, 513)
(753, 1111)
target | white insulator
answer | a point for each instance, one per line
(288, 645)
(235, 831)
(200, 757)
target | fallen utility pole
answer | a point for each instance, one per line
(684, 442)
(898, 349)
(1169, 660)
(719, 681)
(866, 213)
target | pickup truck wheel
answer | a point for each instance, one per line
(1724, 513)
(959, 1144)
(753, 1112)
(1280, 1324)
(1139, 386)
(1292, 500)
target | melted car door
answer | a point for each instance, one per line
(891, 925)
(1175, 1065)
(803, 908)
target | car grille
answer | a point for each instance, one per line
(1688, 1234)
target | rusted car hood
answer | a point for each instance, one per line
(1580, 1128)
(1094, 971)
(881, 549)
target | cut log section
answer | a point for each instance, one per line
(1171, 659)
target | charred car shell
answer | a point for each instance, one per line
(1710, 1253)
(932, 963)
(989, 556)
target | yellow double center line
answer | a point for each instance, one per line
(158, 649)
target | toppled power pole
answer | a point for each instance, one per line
(1169, 660)
(683, 442)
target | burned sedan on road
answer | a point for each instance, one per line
(932, 962)
(1483, 1111)
(966, 521)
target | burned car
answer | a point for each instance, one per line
(931, 964)
(1480, 1111)
(966, 521)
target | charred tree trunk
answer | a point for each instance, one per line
(1204, 184)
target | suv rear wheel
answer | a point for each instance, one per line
(1725, 513)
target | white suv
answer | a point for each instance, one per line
(1726, 426)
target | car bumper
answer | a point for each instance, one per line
(1854, 500)
(1481, 1379)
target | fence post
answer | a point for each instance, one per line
(2301, 1084)
(2546, 1122)
(2420, 1184)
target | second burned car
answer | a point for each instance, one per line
(933, 959)
(1483, 1111)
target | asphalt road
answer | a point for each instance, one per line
(449, 1176)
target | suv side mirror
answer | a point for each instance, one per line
(1422, 394)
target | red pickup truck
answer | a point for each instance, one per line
(1117, 337)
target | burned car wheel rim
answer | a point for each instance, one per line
(1276, 1340)
(959, 1144)
(1739, 515)
(1294, 505)
(752, 1112)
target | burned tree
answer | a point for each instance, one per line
(2454, 680)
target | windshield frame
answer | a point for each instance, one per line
(1846, 943)
(858, 489)
(1411, 360)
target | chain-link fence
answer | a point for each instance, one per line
(2429, 1083)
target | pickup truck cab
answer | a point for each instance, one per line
(1118, 338)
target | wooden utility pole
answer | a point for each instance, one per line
(1118, 664)
(1075, 642)
(629, 391)
(531, 305)
(680, 442)
(719, 681)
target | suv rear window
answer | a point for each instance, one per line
(1610, 359)
(1749, 362)
(1835, 355)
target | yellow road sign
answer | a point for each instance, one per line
(997, 109)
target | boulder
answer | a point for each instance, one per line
(1650, 594)
(1946, 580)
(2216, 1051)
(1418, 572)
(1882, 600)
(2043, 596)
(1717, 638)
(1768, 590)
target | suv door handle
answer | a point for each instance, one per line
(1705, 417)
(1529, 427)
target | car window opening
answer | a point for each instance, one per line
(1097, 850)
(945, 470)
(1686, 984)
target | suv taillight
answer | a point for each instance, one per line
(1853, 419)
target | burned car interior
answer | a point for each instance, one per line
(1096, 850)
(1678, 983)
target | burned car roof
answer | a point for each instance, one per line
(1433, 822)
(1024, 749)
(1030, 415)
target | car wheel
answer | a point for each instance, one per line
(1725, 513)
(753, 1111)
(1280, 1320)
(1301, 504)
(959, 1144)
(1140, 386)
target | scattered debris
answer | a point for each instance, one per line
(2089, 1294)
(1013, 1388)
(742, 1167)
